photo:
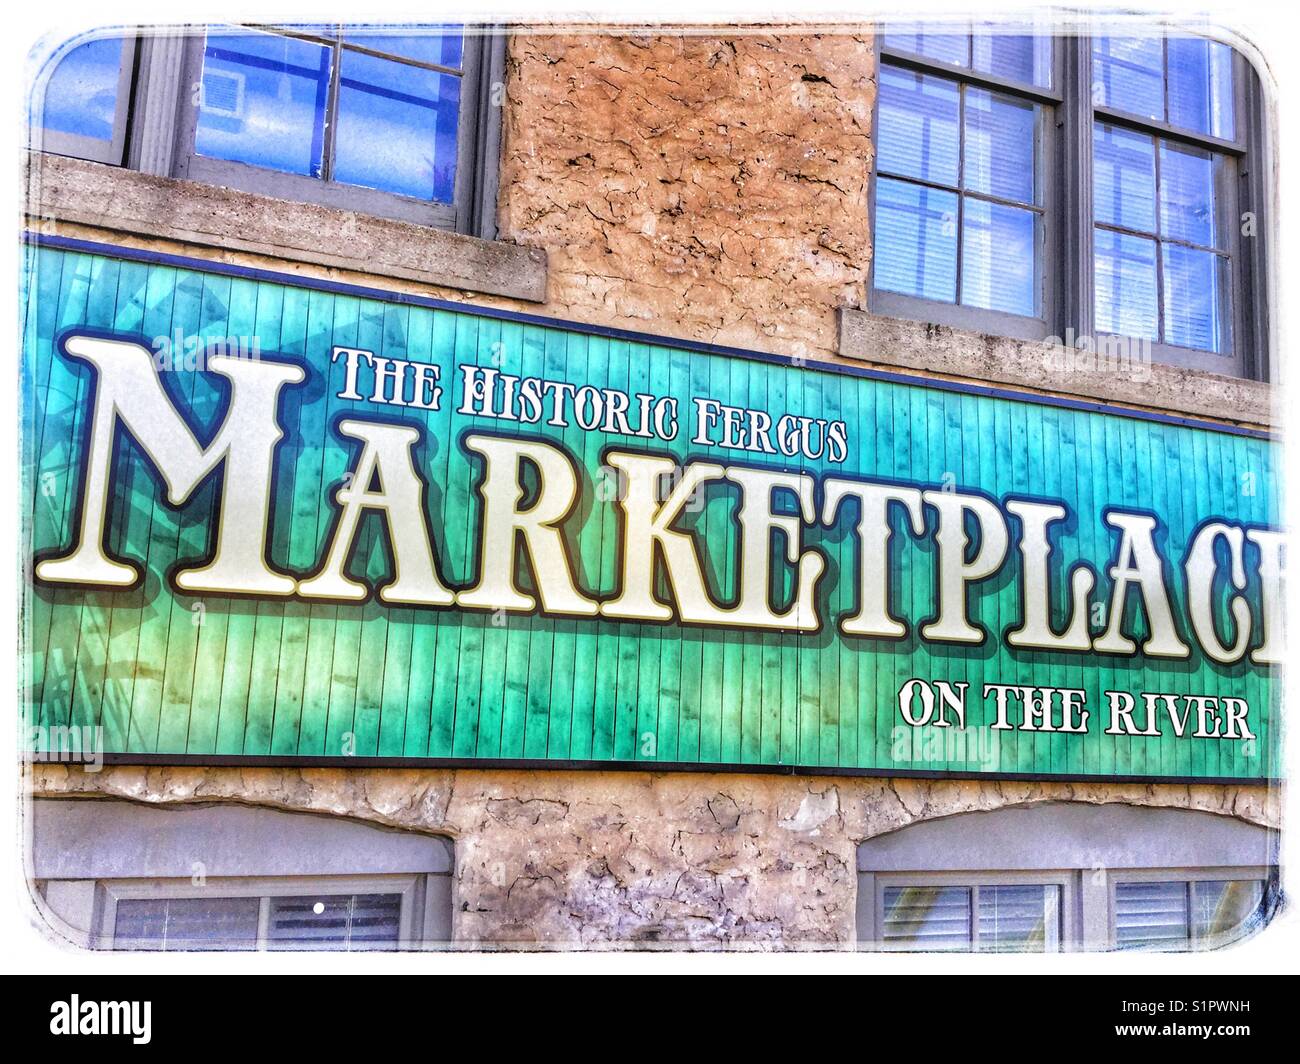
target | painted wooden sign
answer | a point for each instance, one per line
(279, 520)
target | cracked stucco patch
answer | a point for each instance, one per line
(714, 182)
(616, 859)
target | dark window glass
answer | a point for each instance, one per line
(335, 922)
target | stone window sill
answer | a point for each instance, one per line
(127, 201)
(938, 349)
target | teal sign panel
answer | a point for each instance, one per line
(285, 521)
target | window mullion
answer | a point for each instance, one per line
(1157, 145)
(332, 109)
(1249, 266)
(961, 185)
(263, 922)
(1076, 303)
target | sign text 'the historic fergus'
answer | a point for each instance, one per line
(971, 531)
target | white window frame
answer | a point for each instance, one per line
(408, 887)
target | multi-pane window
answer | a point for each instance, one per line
(959, 194)
(319, 921)
(985, 217)
(1063, 876)
(335, 103)
(1185, 82)
(1162, 204)
(1043, 911)
(325, 884)
(389, 121)
(986, 917)
(1174, 914)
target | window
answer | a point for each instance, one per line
(336, 114)
(1060, 876)
(117, 875)
(388, 121)
(81, 107)
(965, 914)
(1097, 187)
(1164, 197)
(1152, 912)
(960, 189)
(345, 913)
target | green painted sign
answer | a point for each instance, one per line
(276, 520)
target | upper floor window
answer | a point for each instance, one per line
(960, 190)
(83, 110)
(1091, 187)
(383, 120)
(1164, 199)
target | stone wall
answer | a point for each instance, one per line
(596, 860)
(715, 187)
(712, 187)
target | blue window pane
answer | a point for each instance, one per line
(942, 47)
(315, 29)
(1124, 178)
(1188, 178)
(396, 128)
(81, 95)
(916, 240)
(1020, 58)
(1124, 274)
(1000, 139)
(1195, 284)
(1200, 86)
(440, 45)
(1128, 74)
(998, 269)
(918, 126)
(263, 102)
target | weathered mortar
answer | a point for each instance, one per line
(608, 859)
(711, 187)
